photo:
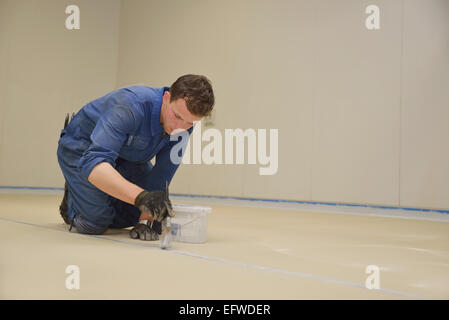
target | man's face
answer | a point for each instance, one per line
(175, 116)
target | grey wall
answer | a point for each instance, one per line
(46, 72)
(362, 115)
(424, 166)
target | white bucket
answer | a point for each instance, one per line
(189, 223)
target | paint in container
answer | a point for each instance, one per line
(189, 223)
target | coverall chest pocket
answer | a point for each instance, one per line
(137, 142)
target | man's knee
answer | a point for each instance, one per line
(86, 227)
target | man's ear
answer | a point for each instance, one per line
(166, 96)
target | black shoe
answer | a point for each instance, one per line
(63, 208)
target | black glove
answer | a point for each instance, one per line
(155, 203)
(145, 230)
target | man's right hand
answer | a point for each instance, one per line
(155, 203)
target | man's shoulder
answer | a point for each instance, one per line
(145, 92)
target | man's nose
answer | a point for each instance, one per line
(181, 124)
(184, 124)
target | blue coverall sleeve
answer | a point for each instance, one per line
(164, 168)
(108, 137)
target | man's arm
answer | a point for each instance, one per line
(164, 168)
(108, 180)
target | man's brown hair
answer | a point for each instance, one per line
(197, 92)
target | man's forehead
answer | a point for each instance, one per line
(180, 107)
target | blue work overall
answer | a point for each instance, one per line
(123, 129)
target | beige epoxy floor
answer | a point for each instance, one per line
(251, 253)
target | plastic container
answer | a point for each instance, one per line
(189, 223)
